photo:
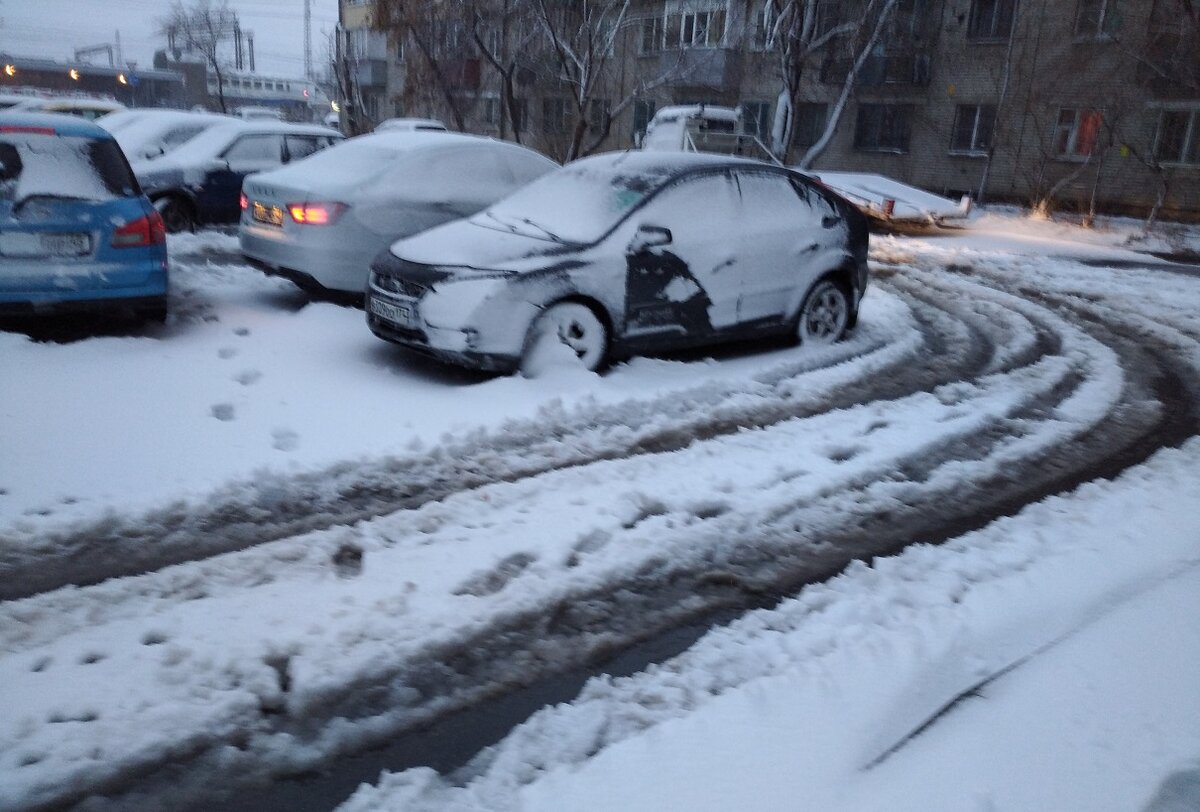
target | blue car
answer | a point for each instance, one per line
(76, 232)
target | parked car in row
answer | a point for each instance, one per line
(409, 124)
(76, 232)
(320, 222)
(146, 134)
(627, 253)
(90, 109)
(200, 182)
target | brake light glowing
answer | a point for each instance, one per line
(315, 214)
(144, 231)
(243, 201)
(35, 130)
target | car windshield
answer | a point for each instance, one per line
(37, 164)
(577, 204)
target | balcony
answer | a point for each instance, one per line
(371, 73)
(717, 68)
(876, 71)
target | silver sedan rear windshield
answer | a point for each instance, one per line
(37, 164)
(577, 204)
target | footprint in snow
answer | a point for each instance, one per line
(242, 331)
(285, 439)
(248, 376)
(223, 412)
(225, 353)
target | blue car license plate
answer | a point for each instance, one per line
(45, 244)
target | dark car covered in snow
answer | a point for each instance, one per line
(627, 253)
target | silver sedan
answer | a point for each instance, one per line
(321, 221)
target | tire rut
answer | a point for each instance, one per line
(250, 514)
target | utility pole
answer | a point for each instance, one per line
(308, 66)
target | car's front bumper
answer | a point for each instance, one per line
(418, 340)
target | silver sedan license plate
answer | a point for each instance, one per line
(401, 314)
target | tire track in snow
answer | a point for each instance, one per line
(943, 347)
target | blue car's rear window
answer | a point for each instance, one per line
(37, 164)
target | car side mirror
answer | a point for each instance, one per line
(219, 165)
(649, 236)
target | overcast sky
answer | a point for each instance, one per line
(55, 28)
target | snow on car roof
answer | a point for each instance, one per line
(690, 110)
(60, 123)
(666, 162)
(207, 143)
(361, 160)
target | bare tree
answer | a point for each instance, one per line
(201, 28)
(795, 30)
(875, 17)
(440, 32)
(586, 39)
(504, 34)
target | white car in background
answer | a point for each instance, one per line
(409, 124)
(90, 109)
(322, 221)
(148, 134)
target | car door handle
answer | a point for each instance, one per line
(830, 222)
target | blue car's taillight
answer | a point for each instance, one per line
(148, 230)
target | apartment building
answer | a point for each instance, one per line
(1088, 102)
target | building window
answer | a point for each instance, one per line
(491, 110)
(1097, 18)
(809, 124)
(1077, 132)
(764, 28)
(1178, 140)
(827, 16)
(643, 111)
(756, 119)
(882, 127)
(598, 114)
(695, 29)
(652, 35)
(554, 115)
(991, 19)
(973, 125)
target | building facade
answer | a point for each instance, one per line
(1085, 103)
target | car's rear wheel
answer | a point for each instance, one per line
(825, 314)
(177, 214)
(563, 330)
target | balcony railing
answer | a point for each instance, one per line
(707, 67)
(890, 69)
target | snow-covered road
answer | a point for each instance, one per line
(356, 542)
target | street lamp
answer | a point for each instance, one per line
(10, 70)
(74, 74)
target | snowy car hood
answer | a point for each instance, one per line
(467, 244)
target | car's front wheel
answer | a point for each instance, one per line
(825, 314)
(176, 213)
(563, 332)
